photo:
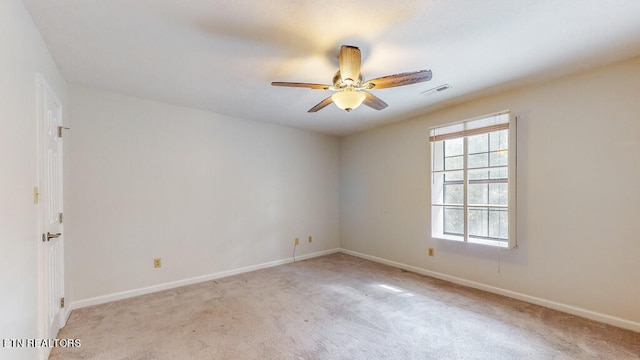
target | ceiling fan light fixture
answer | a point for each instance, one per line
(348, 99)
(350, 86)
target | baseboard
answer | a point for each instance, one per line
(65, 315)
(607, 319)
(174, 284)
(592, 315)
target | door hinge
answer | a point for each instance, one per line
(60, 128)
(36, 195)
(60, 218)
(61, 302)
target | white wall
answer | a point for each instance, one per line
(578, 194)
(204, 192)
(23, 54)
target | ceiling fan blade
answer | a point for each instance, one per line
(402, 79)
(302, 85)
(322, 104)
(350, 60)
(373, 101)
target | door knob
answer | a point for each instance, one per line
(53, 236)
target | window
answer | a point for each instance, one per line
(473, 181)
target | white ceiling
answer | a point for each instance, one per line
(221, 56)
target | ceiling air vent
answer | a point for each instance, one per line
(436, 89)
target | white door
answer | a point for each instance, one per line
(51, 243)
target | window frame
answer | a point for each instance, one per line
(485, 124)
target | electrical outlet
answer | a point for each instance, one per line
(157, 262)
(297, 241)
(431, 251)
(310, 238)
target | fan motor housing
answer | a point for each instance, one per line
(339, 83)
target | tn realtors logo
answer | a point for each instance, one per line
(30, 343)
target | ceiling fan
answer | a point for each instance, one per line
(349, 85)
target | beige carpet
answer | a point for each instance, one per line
(336, 307)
